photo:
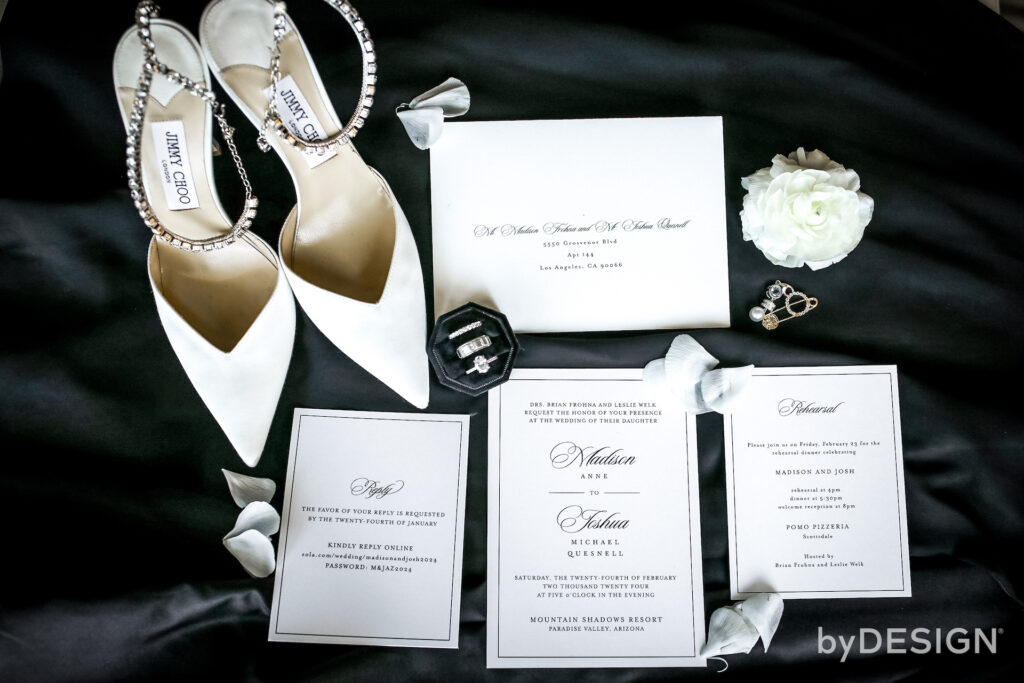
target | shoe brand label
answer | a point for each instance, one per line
(175, 169)
(299, 117)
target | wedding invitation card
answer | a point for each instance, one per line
(814, 473)
(593, 524)
(582, 225)
(370, 551)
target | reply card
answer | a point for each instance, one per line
(593, 521)
(582, 225)
(371, 538)
(814, 472)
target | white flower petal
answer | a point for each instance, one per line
(689, 397)
(423, 125)
(844, 177)
(866, 207)
(259, 516)
(654, 375)
(816, 159)
(782, 164)
(764, 612)
(687, 361)
(760, 178)
(729, 632)
(818, 265)
(452, 97)
(245, 489)
(685, 364)
(720, 388)
(656, 380)
(249, 540)
(254, 551)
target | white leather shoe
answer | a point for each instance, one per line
(220, 294)
(347, 248)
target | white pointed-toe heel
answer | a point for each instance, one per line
(346, 247)
(221, 297)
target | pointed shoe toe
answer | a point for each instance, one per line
(240, 381)
(385, 337)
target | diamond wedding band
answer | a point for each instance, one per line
(473, 345)
(464, 329)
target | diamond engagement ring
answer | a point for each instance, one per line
(473, 345)
(481, 364)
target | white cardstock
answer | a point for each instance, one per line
(175, 169)
(593, 524)
(814, 473)
(582, 225)
(370, 551)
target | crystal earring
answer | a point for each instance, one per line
(796, 304)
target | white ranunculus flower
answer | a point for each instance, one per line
(805, 209)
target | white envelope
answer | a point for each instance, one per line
(583, 225)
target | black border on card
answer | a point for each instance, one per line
(899, 502)
(455, 544)
(689, 514)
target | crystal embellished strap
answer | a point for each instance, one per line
(272, 120)
(146, 11)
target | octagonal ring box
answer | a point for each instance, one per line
(481, 353)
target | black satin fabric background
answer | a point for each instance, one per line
(111, 497)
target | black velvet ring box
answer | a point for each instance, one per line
(472, 349)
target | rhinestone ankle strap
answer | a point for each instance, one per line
(146, 11)
(273, 121)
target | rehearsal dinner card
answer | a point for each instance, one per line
(582, 225)
(593, 524)
(370, 551)
(814, 474)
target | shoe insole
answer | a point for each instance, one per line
(345, 234)
(219, 293)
